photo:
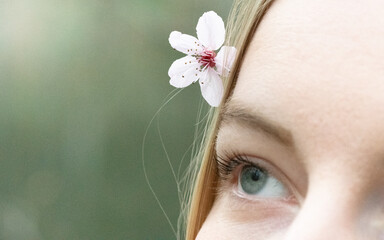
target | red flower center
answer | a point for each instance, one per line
(207, 59)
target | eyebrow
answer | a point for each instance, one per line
(255, 120)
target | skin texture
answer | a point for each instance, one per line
(314, 68)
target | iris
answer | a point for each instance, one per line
(253, 179)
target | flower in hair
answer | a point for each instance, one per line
(202, 63)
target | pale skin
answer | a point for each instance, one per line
(314, 74)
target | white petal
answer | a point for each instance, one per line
(224, 60)
(185, 43)
(184, 71)
(181, 65)
(212, 87)
(210, 30)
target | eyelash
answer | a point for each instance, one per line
(227, 163)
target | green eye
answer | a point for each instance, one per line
(257, 182)
(252, 179)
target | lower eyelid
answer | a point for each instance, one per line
(237, 202)
(263, 212)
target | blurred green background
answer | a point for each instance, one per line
(79, 82)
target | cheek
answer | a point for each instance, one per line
(233, 219)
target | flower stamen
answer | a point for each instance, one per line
(207, 59)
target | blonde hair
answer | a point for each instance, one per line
(243, 20)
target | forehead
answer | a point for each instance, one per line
(317, 68)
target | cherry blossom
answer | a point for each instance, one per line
(202, 63)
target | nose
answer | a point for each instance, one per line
(328, 212)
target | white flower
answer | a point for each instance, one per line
(201, 62)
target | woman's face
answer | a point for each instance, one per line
(301, 144)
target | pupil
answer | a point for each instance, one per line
(256, 174)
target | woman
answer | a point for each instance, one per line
(296, 147)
